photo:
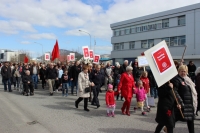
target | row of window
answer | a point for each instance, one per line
(147, 27)
(171, 41)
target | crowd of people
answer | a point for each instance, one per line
(120, 81)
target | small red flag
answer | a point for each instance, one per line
(55, 53)
(25, 59)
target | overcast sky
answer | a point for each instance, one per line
(23, 22)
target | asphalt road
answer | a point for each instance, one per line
(42, 113)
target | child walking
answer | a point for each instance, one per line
(145, 82)
(65, 83)
(110, 101)
(140, 96)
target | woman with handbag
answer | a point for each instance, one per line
(84, 88)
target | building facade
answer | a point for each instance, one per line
(178, 27)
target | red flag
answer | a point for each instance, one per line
(55, 53)
(25, 59)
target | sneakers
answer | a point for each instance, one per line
(144, 113)
(148, 109)
(113, 114)
(108, 114)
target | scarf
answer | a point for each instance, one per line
(189, 82)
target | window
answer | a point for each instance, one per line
(121, 46)
(122, 32)
(165, 23)
(144, 44)
(133, 30)
(137, 29)
(181, 20)
(158, 26)
(131, 45)
(127, 31)
(116, 46)
(117, 33)
(173, 41)
(150, 43)
(181, 40)
(166, 40)
(150, 27)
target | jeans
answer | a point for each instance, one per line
(65, 86)
(35, 80)
(18, 80)
(74, 83)
(154, 92)
(95, 90)
(5, 82)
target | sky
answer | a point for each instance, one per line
(32, 24)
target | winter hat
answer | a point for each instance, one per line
(110, 86)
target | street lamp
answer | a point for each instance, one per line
(42, 58)
(88, 34)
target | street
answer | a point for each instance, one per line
(42, 113)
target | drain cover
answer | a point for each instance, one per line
(32, 123)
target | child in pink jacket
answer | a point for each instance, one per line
(140, 96)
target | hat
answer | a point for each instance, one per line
(110, 86)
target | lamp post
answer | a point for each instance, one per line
(42, 58)
(88, 34)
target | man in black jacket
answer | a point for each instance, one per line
(191, 70)
(6, 75)
(74, 72)
(96, 78)
(28, 83)
(51, 76)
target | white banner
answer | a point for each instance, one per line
(142, 61)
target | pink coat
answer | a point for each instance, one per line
(140, 94)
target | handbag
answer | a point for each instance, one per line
(87, 89)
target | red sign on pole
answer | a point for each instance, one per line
(86, 53)
(91, 54)
(96, 59)
(162, 60)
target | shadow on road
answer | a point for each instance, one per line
(122, 130)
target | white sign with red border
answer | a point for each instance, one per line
(91, 54)
(161, 63)
(86, 54)
(72, 56)
(47, 56)
(96, 59)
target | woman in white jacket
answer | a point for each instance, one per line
(83, 82)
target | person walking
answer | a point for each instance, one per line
(43, 75)
(16, 77)
(65, 83)
(197, 82)
(126, 86)
(74, 72)
(165, 115)
(34, 70)
(96, 78)
(110, 101)
(191, 70)
(186, 90)
(51, 76)
(6, 76)
(83, 83)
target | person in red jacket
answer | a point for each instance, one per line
(110, 100)
(126, 86)
(145, 82)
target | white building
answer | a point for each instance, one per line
(8, 55)
(178, 27)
